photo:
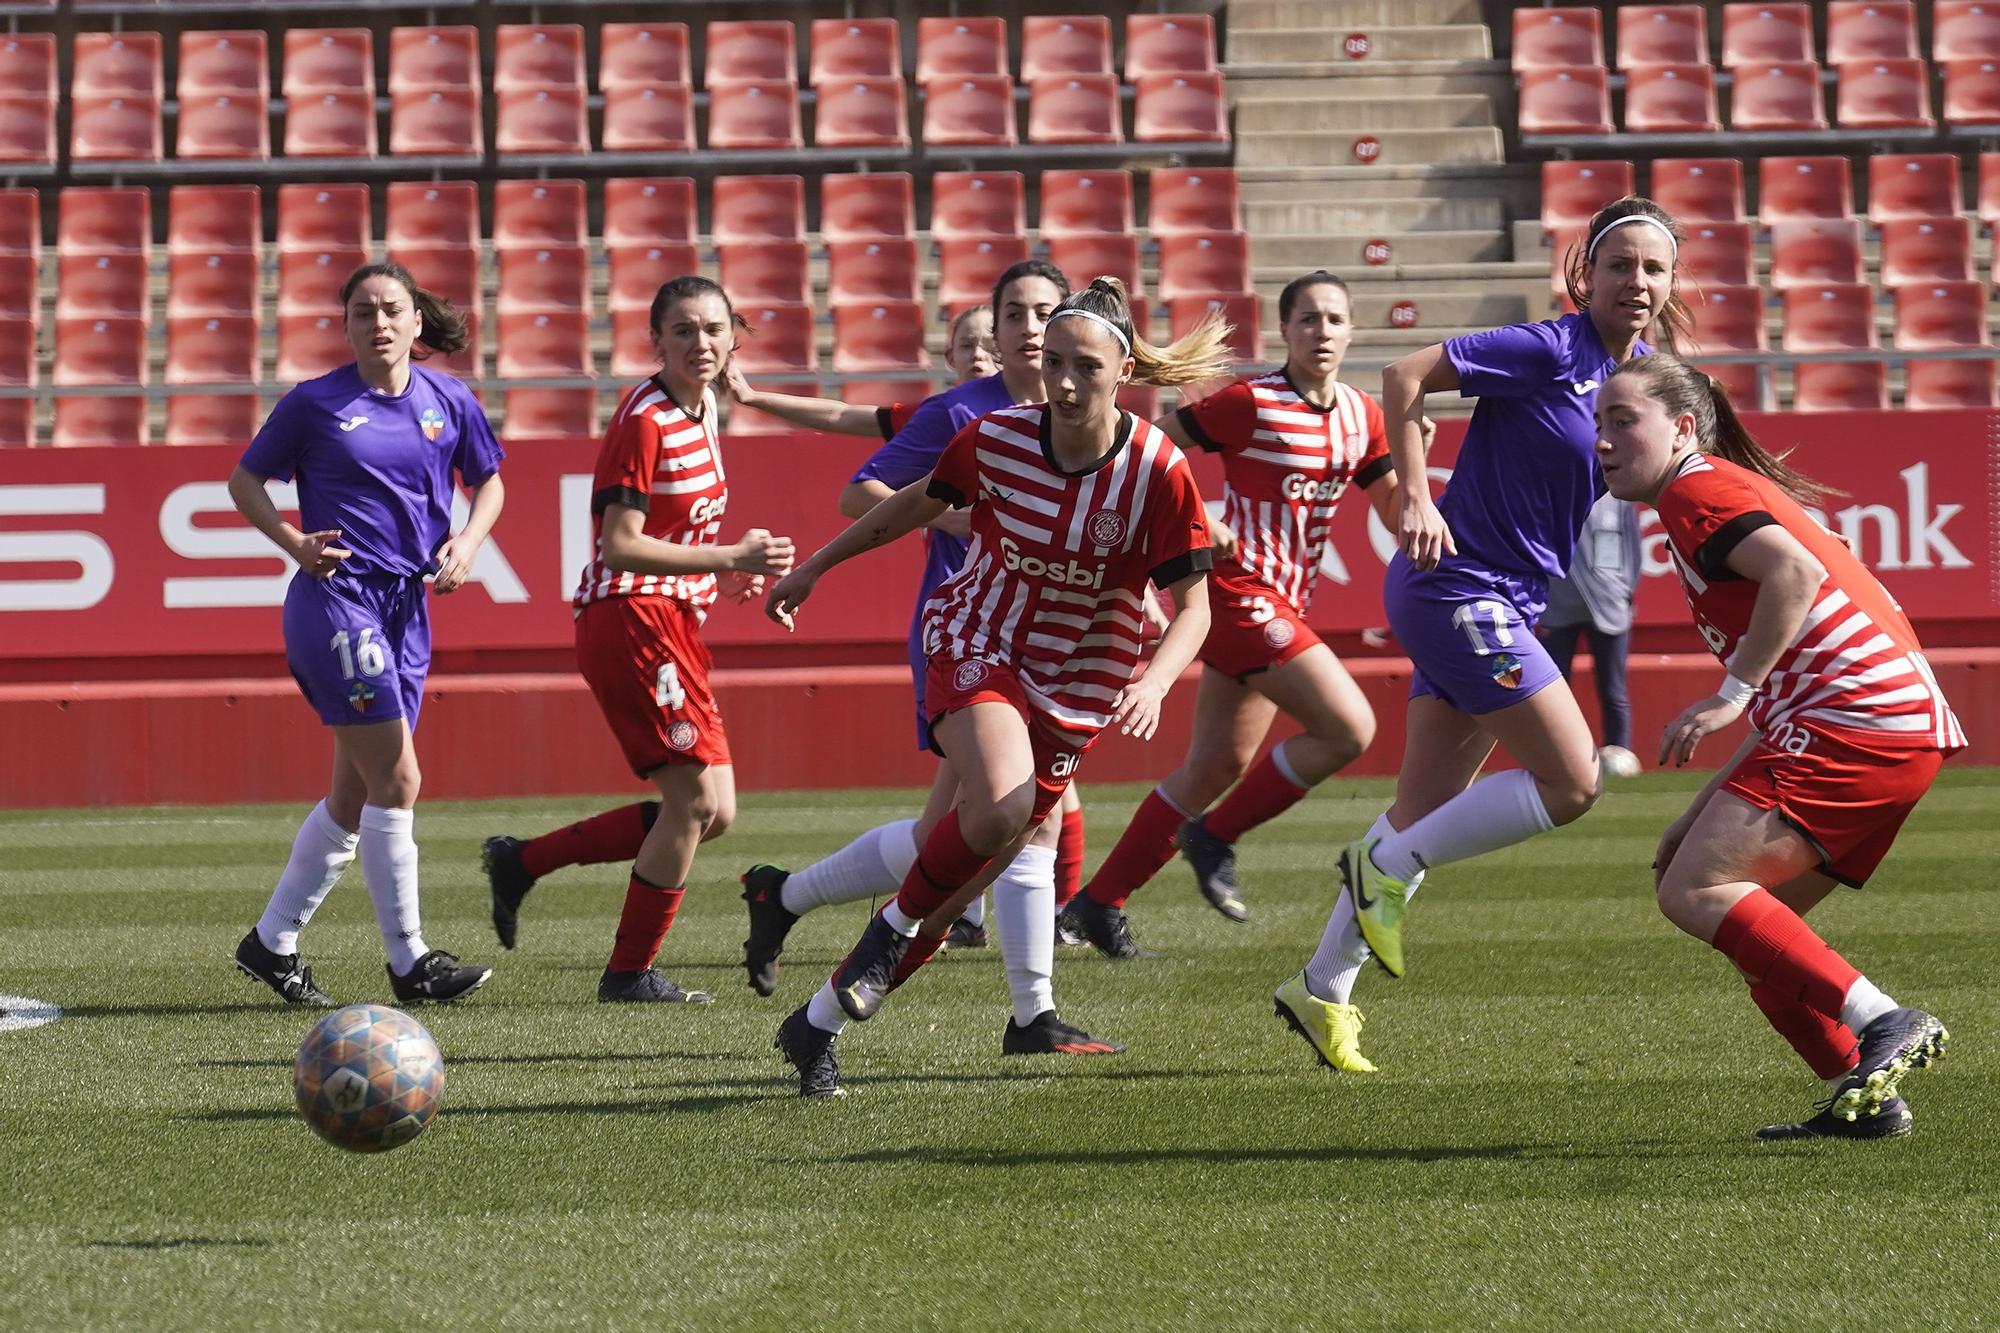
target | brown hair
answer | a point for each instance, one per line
(1675, 325)
(443, 328)
(1199, 354)
(1679, 387)
(1290, 296)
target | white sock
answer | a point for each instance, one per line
(1497, 811)
(1332, 972)
(823, 1011)
(975, 915)
(1863, 1004)
(320, 852)
(903, 923)
(1024, 909)
(389, 860)
(872, 864)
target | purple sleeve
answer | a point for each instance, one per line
(914, 450)
(478, 454)
(1506, 363)
(275, 450)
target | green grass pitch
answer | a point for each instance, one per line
(1558, 1139)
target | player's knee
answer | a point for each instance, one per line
(718, 822)
(1679, 901)
(987, 827)
(1212, 775)
(1341, 742)
(1571, 797)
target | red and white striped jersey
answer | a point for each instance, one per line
(668, 465)
(1285, 463)
(1855, 668)
(1053, 581)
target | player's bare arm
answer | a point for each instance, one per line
(859, 497)
(1137, 710)
(1420, 529)
(829, 415)
(898, 516)
(455, 558)
(627, 549)
(315, 552)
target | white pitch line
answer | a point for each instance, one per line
(18, 1013)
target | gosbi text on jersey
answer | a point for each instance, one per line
(667, 465)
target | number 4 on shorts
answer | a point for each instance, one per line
(667, 691)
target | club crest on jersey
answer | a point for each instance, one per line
(360, 694)
(431, 422)
(1106, 528)
(682, 735)
(1279, 633)
(1507, 670)
(968, 675)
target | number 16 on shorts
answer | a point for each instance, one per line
(361, 661)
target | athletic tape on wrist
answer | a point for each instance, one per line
(1737, 692)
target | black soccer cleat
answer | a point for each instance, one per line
(1107, 929)
(282, 972)
(810, 1051)
(1049, 1035)
(438, 976)
(507, 883)
(1214, 863)
(1892, 1121)
(770, 922)
(646, 986)
(866, 976)
(964, 935)
(1891, 1046)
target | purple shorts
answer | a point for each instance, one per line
(1470, 633)
(359, 648)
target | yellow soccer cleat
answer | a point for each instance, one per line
(1378, 903)
(1334, 1030)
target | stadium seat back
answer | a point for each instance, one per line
(432, 213)
(1926, 250)
(97, 219)
(766, 273)
(1193, 199)
(1671, 99)
(872, 271)
(1055, 45)
(855, 49)
(236, 61)
(754, 116)
(758, 208)
(1168, 44)
(1557, 37)
(1662, 35)
(539, 212)
(649, 118)
(1078, 202)
(1815, 252)
(1777, 95)
(322, 217)
(1723, 253)
(651, 210)
(950, 48)
(205, 219)
(876, 336)
(1833, 318)
(114, 64)
(537, 55)
(750, 51)
(1756, 33)
(1181, 108)
(329, 60)
(861, 113)
(643, 55)
(1572, 192)
(1885, 95)
(422, 59)
(1934, 315)
(971, 204)
(1803, 187)
(1965, 30)
(867, 206)
(968, 266)
(1870, 30)
(1565, 101)
(970, 111)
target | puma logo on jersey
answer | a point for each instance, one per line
(1074, 573)
(352, 422)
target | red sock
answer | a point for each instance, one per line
(1825, 1044)
(1772, 944)
(943, 867)
(614, 835)
(1265, 793)
(643, 925)
(1069, 857)
(1146, 844)
(922, 949)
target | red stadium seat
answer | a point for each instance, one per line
(212, 219)
(855, 49)
(1192, 199)
(1552, 38)
(969, 266)
(1789, 188)
(543, 344)
(28, 66)
(967, 204)
(1777, 95)
(1563, 242)
(642, 118)
(952, 48)
(116, 64)
(883, 393)
(1087, 255)
(212, 418)
(1833, 318)
(1813, 252)
(872, 271)
(1198, 265)
(1671, 99)
(870, 338)
(99, 352)
(1755, 34)
(753, 51)
(114, 129)
(1934, 315)
(549, 414)
(652, 210)
(545, 278)
(1930, 386)
(329, 60)
(1972, 93)
(766, 273)
(224, 62)
(639, 271)
(451, 271)
(93, 219)
(330, 124)
(1731, 319)
(1662, 35)
(1180, 108)
(1851, 386)
(20, 287)
(539, 213)
(1913, 185)
(212, 349)
(861, 113)
(1168, 44)
(103, 286)
(1076, 203)
(223, 125)
(1870, 30)
(1988, 203)
(1965, 30)
(309, 281)
(424, 59)
(1057, 45)
(436, 122)
(754, 116)
(1572, 192)
(1722, 253)
(17, 370)
(27, 131)
(632, 354)
(1075, 108)
(432, 213)
(1884, 95)
(537, 55)
(1926, 250)
(867, 206)
(323, 217)
(542, 120)
(757, 208)
(780, 338)
(1243, 310)
(970, 111)
(21, 222)
(1565, 101)
(223, 282)
(642, 55)
(310, 345)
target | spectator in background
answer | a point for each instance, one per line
(1595, 602)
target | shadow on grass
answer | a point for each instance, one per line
(278, 1062)
(1332, 1152)
(173, 1010)
(180, 1243)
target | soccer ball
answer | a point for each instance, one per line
(368, 1078)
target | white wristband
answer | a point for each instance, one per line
(1736, 692)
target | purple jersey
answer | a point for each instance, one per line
(376, 466)
(1527, 473)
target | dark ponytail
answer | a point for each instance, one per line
(1675, 326)
(1679, 387)
(444, 328)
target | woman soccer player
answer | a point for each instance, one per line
(1464, 590)
(1035, 643)
(1291, 443)
(657, 499)
(373, 447)
(1848, 729)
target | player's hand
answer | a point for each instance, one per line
(317, 555)
(1136, 711)
(454, 562)
(739, 586)
(1222, 540)
(738, 387)
(761, 553)
(1430, 431)
(788, 594)
(1421, 533)
(955, 523)
(1696, 721)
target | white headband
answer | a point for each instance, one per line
(1649, 220)
(1123, 341)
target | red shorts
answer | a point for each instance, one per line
(644, 660)
(1251, 628)
(1847, 800)
(952, 684)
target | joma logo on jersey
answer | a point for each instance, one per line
(1298, 486)
(1075, 573)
